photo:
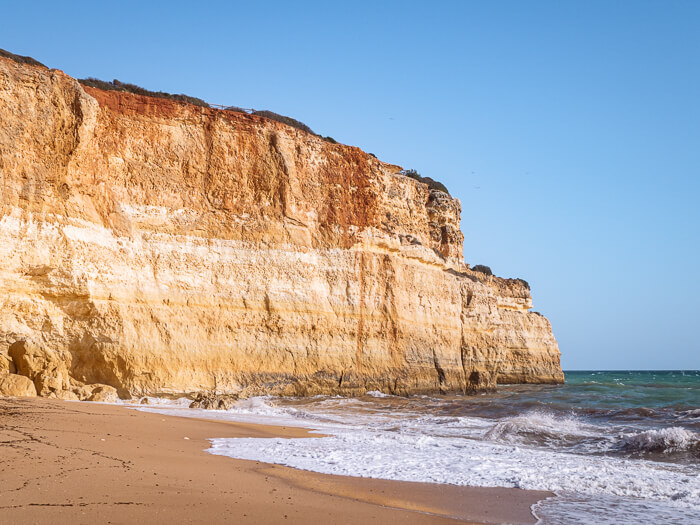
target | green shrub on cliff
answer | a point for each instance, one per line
(116, 85)
(523, 282)
(21, 59)
(432, 183)
(482, 269)
(289, 121)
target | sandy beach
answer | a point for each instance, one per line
(69, 462)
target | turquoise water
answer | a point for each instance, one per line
(645, 396)
(660, 403)
(674, 389)
(612, 393)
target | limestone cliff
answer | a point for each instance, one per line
(158, 246)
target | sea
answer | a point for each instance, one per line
(614, 447)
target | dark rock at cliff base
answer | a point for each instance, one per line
(212, 401)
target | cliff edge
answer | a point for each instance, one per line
(161, 247)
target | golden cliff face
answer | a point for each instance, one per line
(162, 247)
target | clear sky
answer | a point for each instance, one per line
(569, 130)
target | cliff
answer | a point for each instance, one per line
(157, 246)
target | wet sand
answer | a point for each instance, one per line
(63, 462)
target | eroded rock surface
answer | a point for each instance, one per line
(160, 247)
(45, 367)
(16, 385)
(103, 394)
(7, 365)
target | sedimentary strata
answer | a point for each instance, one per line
(158, 247)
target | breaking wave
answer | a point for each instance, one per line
(541, 428)
(673, 439)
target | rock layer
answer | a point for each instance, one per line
(160, 247)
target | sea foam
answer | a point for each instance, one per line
(387, 455)
(464, 451)
(367, 440)
(673, 439)
(538, 427)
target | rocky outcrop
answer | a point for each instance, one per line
(101, 393)
(16, 385)
(212, 401)
(47, 370)
(7, 365)
(158, 247)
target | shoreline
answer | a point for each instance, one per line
(65, 462)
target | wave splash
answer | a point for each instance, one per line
(665, 440)
(541, 428)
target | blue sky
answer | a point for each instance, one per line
(569, 130)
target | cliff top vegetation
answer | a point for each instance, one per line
(117, 85)
(21, 59)
(432, 183)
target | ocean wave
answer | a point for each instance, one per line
(155, 401)
(180, 402)
(430, 459)
(666, 440)
(689, 414)
(377, 393)
(258, 406)
(540, 427)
